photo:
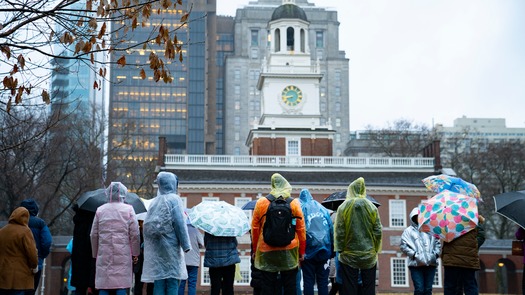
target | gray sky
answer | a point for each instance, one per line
(430, 61)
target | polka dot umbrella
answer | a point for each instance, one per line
(448, 215)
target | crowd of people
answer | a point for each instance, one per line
(330, 251)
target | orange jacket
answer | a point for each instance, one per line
(263, 250)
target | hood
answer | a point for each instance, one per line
(356, 189)
(19, 216)
(280, 186)
(116, 192)
(168, 183)
(31, 206)
(305, 195)
(413, 216)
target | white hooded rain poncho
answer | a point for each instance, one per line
(357, 228)
(165, 233)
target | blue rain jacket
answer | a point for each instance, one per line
(320, 232)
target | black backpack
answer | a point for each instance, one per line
(279, 227)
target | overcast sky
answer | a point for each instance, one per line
(430, 61)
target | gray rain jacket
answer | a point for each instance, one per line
(422, 248)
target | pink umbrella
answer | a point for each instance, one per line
(448, 215)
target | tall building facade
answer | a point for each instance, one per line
(183, 111)
(243, 105)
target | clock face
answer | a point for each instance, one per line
(291, 95)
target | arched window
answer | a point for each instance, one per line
(277, 40)
(290, 39)
(303, 41)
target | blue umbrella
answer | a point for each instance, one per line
(250, 205)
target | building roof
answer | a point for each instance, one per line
(287, 11)
(298, 178)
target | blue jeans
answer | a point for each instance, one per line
(118, 292)
(193, 271)
(457, 277)
(423, 278)
(315, 272)
(166, 286)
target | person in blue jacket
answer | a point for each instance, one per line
(42, 237)
(319, 244)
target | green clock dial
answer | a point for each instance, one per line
(291, 95)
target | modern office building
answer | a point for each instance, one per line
(244, 99)
(183, 111)
(72, 79)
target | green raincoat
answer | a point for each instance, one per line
(357, 228)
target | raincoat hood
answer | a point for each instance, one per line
(31, 206)
(356, 189)
(116, 192)
(280, 186)
(168, 183)
(19, 216)
(305, 196)
(413, 216)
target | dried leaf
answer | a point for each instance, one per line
(89, 5)
(142, 74)
(95, 85)
(21, 61)
(5, 49)
(92, 58)
(92, 23)
(122, 61)
(184, 18)
(87, 47)
(9, 103)
(45, 97)
(102, 31)
(180, 57)
(18, 97)
(14, 70)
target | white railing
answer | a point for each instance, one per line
(297, 161)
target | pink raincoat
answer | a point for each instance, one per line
(115, 239)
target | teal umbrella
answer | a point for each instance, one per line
(219, 219)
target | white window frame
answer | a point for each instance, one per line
(400, 271)
(439, 276)
(211, 199)
(289, 150)
(397, 214)
(246, 273)
(184, 201)
(241, 201)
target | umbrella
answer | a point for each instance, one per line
(250, 205)
(448, 215)
(334, 200)
(147, 202)
(219, 219)
(91, 200)
(439, 183)
(511, 205)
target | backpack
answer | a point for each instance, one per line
(158, 221)
(279, 227)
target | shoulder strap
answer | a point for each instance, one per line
(270, 197)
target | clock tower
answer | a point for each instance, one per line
(289, 81)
